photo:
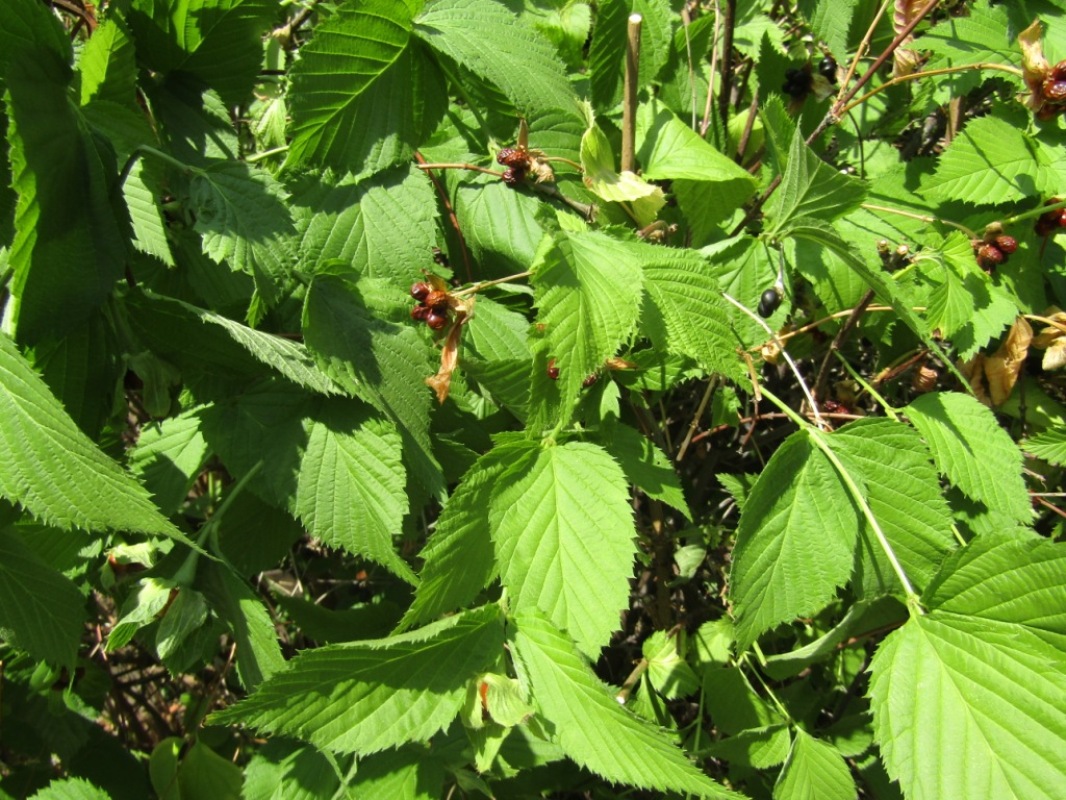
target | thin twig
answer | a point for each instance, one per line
(446, 201)
(838, 341)
(914, 76)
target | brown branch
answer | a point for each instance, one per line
(725, 96)
(838, 341)
(447, 203)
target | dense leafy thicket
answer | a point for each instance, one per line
(439, 398)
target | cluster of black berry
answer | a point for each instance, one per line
(769, 302)
(1051, 221)
(517, 161)
(993, 249)
(433, 306)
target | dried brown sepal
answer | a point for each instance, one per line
(924, 379)
(441, 383)
(1003, 367)
(1035, 67)
(904, 61)
(1052, 340)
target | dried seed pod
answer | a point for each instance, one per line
(513, 176)
(989, 257)
(1008, 244)
(438, 301)
(513, 157)
(1054, 91)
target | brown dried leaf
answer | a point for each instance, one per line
(1002, 367)
(974, 372)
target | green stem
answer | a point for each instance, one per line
(266, 154)
(1039, 211)
(888, 409)
(770, 693)
(819, 440)
(921, 218)
(146, 150)
(477, 287)
(792, 415)
(929, 73)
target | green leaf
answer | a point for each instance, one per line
(815, 770)
(71, 789)
(1006, 582)
(647, 467)
(964, 710)
(218, 41)
(903, 493)
(1049, 445)
(54, 470)
(258, 652)
(65, 180)
(795, 540)
(982, 36)
(500, 225)
(972, 451)
(107, 64)
(684, 312)
(811, 188)
(861, 616)
(347, 329)
(989, 161)
(384, 227)
(520, 61)
(458, 557)
(41, 611)
(564, 539)
(284, 770)
(204, 773)
(242, 213)
(606, 57)
(167, 458)
(194, 337)
(370, 696)
(407, 773)
(263, 429)
(25, 25)
(351, 490)
(82, 370)
(708, 184)
(587, 296)
(588, 723)
(668, 149)
(830, 23)
(359, 89)
(605, 182)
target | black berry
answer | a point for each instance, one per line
(797, 83)
(828, 69)
(769, 303)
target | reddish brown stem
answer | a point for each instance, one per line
(451, 213)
